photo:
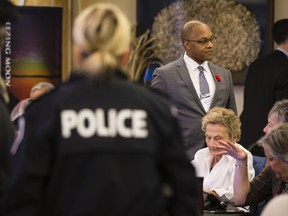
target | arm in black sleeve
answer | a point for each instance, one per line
(30, 166)
(7, 135)
(177, 171)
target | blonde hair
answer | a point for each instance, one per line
(226, 118)
(3, 91)
(102, 32)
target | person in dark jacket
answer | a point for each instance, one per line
(266, 82)
(99, 144)
(7, 136)
(7, 131)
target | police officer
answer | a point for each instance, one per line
(99, 144)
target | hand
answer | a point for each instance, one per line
(211, 192)
(229, 148)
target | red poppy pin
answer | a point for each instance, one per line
(218, 77)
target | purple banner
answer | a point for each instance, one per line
(32, 50)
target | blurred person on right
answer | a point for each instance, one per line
(273, 179)
(266, 82)
(100, 144)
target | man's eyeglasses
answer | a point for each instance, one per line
(205, 41)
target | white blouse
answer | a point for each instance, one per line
(221, 177)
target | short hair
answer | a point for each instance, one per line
(102, 32)
(279, 111)
(280, 31)
(225, 117)
(48, 86)
(276, 141)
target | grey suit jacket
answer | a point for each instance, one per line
(174, 80)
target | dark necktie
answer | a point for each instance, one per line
(204, 87)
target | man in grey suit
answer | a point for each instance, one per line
(191, 92)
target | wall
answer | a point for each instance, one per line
(281, 9)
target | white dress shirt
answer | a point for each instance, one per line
(221, 177)
(192, 67)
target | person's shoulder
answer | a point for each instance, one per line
(19, 109)
(153, 100)
(268, 171)
(68, 87)
(279, 58)
(43, 102)
(278, 53)
(169, 65)
(64, 90)
(148, 93)
(201, 153)
(275, 55)
(159, 93)
(217, 67)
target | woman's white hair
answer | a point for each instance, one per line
(102, 33)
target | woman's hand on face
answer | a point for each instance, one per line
(227, 147)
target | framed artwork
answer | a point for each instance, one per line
(262, 12)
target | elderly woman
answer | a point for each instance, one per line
(220, 125)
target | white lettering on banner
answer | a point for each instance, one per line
(7, 47)
(8, 52)
(88, 123)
